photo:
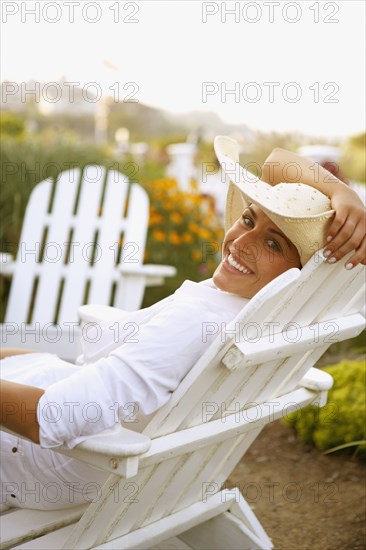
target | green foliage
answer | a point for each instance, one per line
(353, 162)
(138, 171)
(342, 420)
(358, 141)
(264, 144)
(81, 126)
(144, 123)
(11, 125)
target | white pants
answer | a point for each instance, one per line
(32, 477)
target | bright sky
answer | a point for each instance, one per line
(183, 56)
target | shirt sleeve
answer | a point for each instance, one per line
(138, 376)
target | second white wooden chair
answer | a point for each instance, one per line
(83, 241)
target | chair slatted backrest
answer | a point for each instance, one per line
(76, 230)
(309, 298)
(210, 390)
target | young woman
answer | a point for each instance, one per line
(270, 227)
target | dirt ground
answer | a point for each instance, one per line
(303, 499)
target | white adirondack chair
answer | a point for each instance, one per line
(82, 241)
(168, 478)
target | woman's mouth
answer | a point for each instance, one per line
(236, 265)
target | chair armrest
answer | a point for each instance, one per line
(7, 264)
(120, 443)
(316, 380)
(116, 451)
(223, 428)
(95, 313)
(247, 353)
(148, 270)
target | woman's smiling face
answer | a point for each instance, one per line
(254, 252)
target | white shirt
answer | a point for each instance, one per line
(134, 365)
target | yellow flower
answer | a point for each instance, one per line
(196, 199)
(170, 184)
(194, 185)
(159, 235)
(187, 238)
(155, 219)
(196, 255)
(204, 234)
(169, 205)
(174, 237)
(176, 217)
(193, 227)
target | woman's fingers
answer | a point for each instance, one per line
(347, 233)
(360, 255)
(337, 224)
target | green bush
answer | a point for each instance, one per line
(354, 158)
(342, 419)
(11, 124)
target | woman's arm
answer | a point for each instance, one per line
(9, 352)
(285, 166)
(19, 408)
(348, 229)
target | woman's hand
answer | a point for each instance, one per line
(348, 229)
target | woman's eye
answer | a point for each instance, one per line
(274, 245)
(247, 221)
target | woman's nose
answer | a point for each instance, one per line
(246, 243)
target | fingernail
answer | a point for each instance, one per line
(349, 266)
(332, 260)
(329, 238)
(327, 253)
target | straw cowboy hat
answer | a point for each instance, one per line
(300, 211)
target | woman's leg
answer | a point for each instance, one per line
(8, 352)
(33, 477)
(41, 479)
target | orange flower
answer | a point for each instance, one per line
(196, 255)
(204, 234)
(168, 205)
(174, 237)
(159, 235)
(155, 219)
(194, 184)
(193, 227)
(187, 238)
(170, 184)
(176, 217)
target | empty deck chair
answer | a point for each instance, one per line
(82, 241)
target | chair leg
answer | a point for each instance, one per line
(224, 522)
(236, 528)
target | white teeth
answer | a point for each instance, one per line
(237, 266)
